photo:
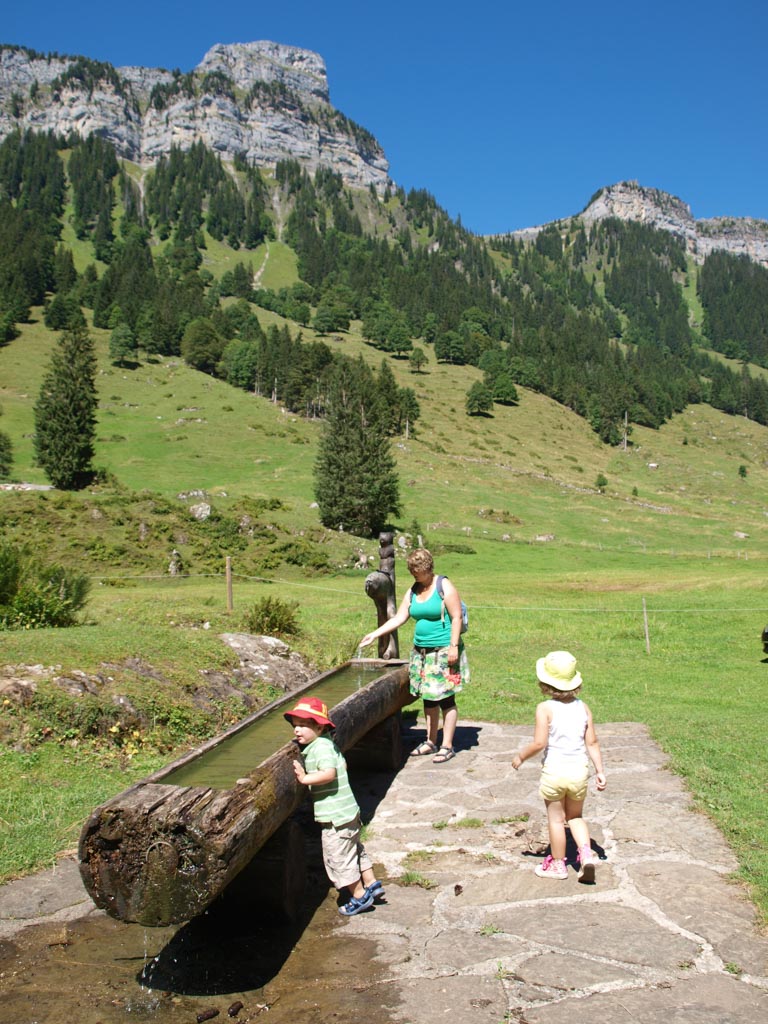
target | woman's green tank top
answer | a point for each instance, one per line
(433, 623)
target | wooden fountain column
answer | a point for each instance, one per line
(380, 587)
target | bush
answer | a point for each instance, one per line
(155, 722)
(303, 554)
(271, 616)
(57, 714)
(33, 595)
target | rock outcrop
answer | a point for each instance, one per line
(629, 201)
(261, 101)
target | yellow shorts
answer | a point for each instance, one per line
(555, 785)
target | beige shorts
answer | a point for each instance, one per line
(343, 853)
(555, 785)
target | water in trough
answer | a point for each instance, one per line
(221, 766)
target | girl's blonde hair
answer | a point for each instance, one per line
(553, 693)
(421, 560)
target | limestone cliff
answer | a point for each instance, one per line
(261, 100)
(630, 201)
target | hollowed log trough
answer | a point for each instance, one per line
(159, 854)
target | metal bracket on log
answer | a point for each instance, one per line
(159, 854)
(380, 587)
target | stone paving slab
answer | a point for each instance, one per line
(55, 895)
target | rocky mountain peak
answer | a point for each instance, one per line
(302, 71)
(630, 201)
(261, 100)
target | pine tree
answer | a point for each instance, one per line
(122, 345)
(6, 454)
(356, 484)
(65, 412)
(387, 388)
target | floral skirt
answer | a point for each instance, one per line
(432, 678)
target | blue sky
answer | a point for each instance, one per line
(510, 113)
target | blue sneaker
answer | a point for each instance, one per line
(356, 904)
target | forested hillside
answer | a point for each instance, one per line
(255, 368)
(596, 319)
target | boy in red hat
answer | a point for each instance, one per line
(325, 772)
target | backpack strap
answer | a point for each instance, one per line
(439, 589)
(464, 616)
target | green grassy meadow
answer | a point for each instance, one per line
(509, 505)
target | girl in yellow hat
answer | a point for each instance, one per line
(565, 731)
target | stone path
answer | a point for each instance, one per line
(663, 935)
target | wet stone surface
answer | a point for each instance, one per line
(467, 931)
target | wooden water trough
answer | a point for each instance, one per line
(160, 854)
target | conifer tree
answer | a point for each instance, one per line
(356, 483)
(6, 454)
(122, 344)
(387, 388)
(65, 412)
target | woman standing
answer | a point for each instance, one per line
(438, 666)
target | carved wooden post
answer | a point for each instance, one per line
(380, 587)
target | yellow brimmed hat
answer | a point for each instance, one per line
(310, 707)
(558, 669)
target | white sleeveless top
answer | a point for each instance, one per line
(566, 747)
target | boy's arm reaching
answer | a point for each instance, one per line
(313, 778)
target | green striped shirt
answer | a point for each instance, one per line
(333, 801)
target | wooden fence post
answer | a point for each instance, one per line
(230, 604)
(647, 636)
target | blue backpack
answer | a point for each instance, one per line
(464, 611)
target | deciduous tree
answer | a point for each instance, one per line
(479, 399)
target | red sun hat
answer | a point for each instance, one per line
(313, 708)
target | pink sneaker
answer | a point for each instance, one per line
(552, 868)
(587, 864)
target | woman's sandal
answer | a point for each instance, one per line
(444, 754)
(427, 747)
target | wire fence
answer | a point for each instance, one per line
(476, 606)
(636, 606)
